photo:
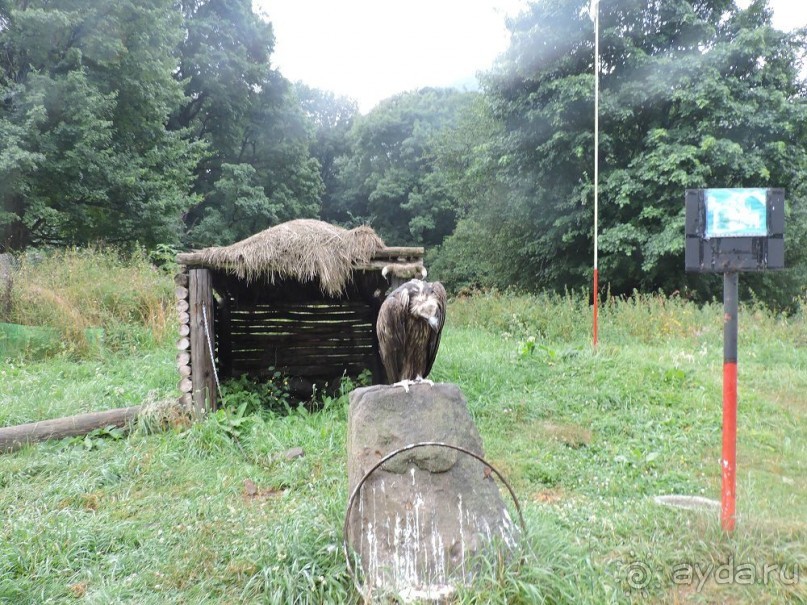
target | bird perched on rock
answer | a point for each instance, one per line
(409, 324)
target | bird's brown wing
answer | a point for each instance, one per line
(434, 336)
(391, 330)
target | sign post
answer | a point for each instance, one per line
(729, 459)
(728, 231)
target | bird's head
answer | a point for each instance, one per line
(424, 304)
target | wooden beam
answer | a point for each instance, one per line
(14, 437)
(191, 259)
(201, 304)
(225, 340)
(393, 252)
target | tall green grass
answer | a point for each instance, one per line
(216, 513)
(79, 288)
(109, 322)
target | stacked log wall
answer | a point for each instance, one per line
(185, 384)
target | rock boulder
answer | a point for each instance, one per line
(420, 520)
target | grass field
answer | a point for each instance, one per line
(215, 513)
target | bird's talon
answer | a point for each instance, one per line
(404, 383)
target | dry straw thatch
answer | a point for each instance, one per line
(303, 249)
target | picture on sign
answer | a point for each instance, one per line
(736, 213)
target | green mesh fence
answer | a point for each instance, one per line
(36, 341)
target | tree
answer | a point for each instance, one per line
(693, 94)
(251, 122)
(332, 118)
(86, 90)
(390, 178)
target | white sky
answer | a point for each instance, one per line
(372, 49)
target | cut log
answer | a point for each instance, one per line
(181, 279)
(185, 385)
(184, 317)
(183, 358)
(184, 371)
(181, 292)
(14, 437)
(185, 401)
(183, 344)
(184, 330)
(182, 306)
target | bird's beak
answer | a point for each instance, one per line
(434, 323)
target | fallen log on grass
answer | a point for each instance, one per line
(15, 437)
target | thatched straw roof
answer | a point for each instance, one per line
(303, 249)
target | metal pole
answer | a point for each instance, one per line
(596, 163)
(729, 459)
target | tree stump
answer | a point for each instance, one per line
(420, 521)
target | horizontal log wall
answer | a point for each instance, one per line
(319, 341)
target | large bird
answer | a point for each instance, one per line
(409, 324)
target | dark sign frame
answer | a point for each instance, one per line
(727, 254)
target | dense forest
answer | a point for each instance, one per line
(164, 123)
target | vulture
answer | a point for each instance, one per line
(409, 324)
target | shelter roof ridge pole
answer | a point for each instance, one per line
(595, 14)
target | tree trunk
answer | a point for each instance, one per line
(16, 235)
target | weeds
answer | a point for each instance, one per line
(252, 396)
(98, 437)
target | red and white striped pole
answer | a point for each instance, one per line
(595, 9)
(728, 462)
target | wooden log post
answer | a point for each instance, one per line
(200, 291)
(14, 437)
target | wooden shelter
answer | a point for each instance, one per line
(300, 298)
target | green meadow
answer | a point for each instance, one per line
(173, 513)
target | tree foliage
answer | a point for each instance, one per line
(332, 118)
(86, 89)
(693, 94)
(259, 170)
(120, 119)
(164, 122)
(390, 177)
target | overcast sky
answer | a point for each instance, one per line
(372, 49)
